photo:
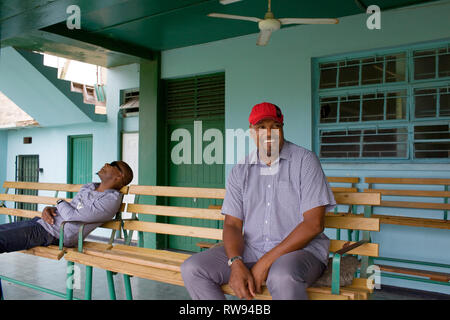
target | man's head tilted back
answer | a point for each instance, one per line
(116, 174)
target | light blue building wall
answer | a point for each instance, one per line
(50, 143)
(282, 73)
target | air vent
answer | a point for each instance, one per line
(130, 106)
(27, 140)
(197, 98)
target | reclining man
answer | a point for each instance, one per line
(279, 197)
(94, 204)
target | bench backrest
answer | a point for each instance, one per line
(214, 213)
(340, 180)
(408, 195)
(10, 196)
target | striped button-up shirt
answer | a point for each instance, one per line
(271, 200)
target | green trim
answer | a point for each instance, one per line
(128, 290)
(396, 276)
(88, 284)
(112, 291)
(35, 287)
(335, 274)
(69, 280)
(423, 263)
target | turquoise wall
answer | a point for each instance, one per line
(50, 143)
(281, 73)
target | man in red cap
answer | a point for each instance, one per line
(274, 209)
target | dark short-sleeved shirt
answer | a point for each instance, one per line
(271, 200)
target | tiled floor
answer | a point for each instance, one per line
(52, 274)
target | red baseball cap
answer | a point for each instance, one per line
(265, 110)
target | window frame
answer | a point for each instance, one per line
(409, 85)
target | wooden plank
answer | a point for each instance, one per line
(30, 199)
(353, 223)
(432, 275)
(430, 181)
(164, 254)
(156, 262)
(50, 252)
(415, 205)
(358, 198)
(413, 222)
(361, 284)
(173, 229)
(20, 212)
(204, 244)
(42, 186)
(343, 179)
(342, 189)
(412, 193)
(64, 187)
(367, 249)
(172, 211)
(185, 192)
(116, 225)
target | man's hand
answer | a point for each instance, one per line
(48, 213)
(241, 280)
(260, 271)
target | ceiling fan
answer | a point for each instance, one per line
(270, 24)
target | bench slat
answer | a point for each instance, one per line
(19, 212)
(173, 229)
(172, 211)
(432, 275)
(343, 189)
(416, 205)
(412, 193)
(352, 223)
(185, 192)
(343, 179)
(48, 186)
(358, 198)
(367, 249)
(429, 181)
(413, 222)
(30, 199)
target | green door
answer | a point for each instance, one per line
(79, 160)
(194, 175)
(200, 98)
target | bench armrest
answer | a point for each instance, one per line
(80, 232)
(336, 267)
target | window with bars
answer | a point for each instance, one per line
(392, 105)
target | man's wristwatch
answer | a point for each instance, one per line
(231, 260)
(59, 201)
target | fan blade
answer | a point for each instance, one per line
(263, 37)
(307, 21)
(230, 16)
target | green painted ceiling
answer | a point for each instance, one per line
(137, 27)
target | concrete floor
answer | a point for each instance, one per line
(52, 274)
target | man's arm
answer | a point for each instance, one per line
(98, 210)
(241, 279)
(312, 225)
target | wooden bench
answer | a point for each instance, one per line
(55, 252)
(335, 188)
(412, 199)
(164, 265)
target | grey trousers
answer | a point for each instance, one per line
(203, 273)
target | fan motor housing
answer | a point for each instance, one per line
(269, 25)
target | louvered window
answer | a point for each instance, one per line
(197, 98)
(391, 105)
